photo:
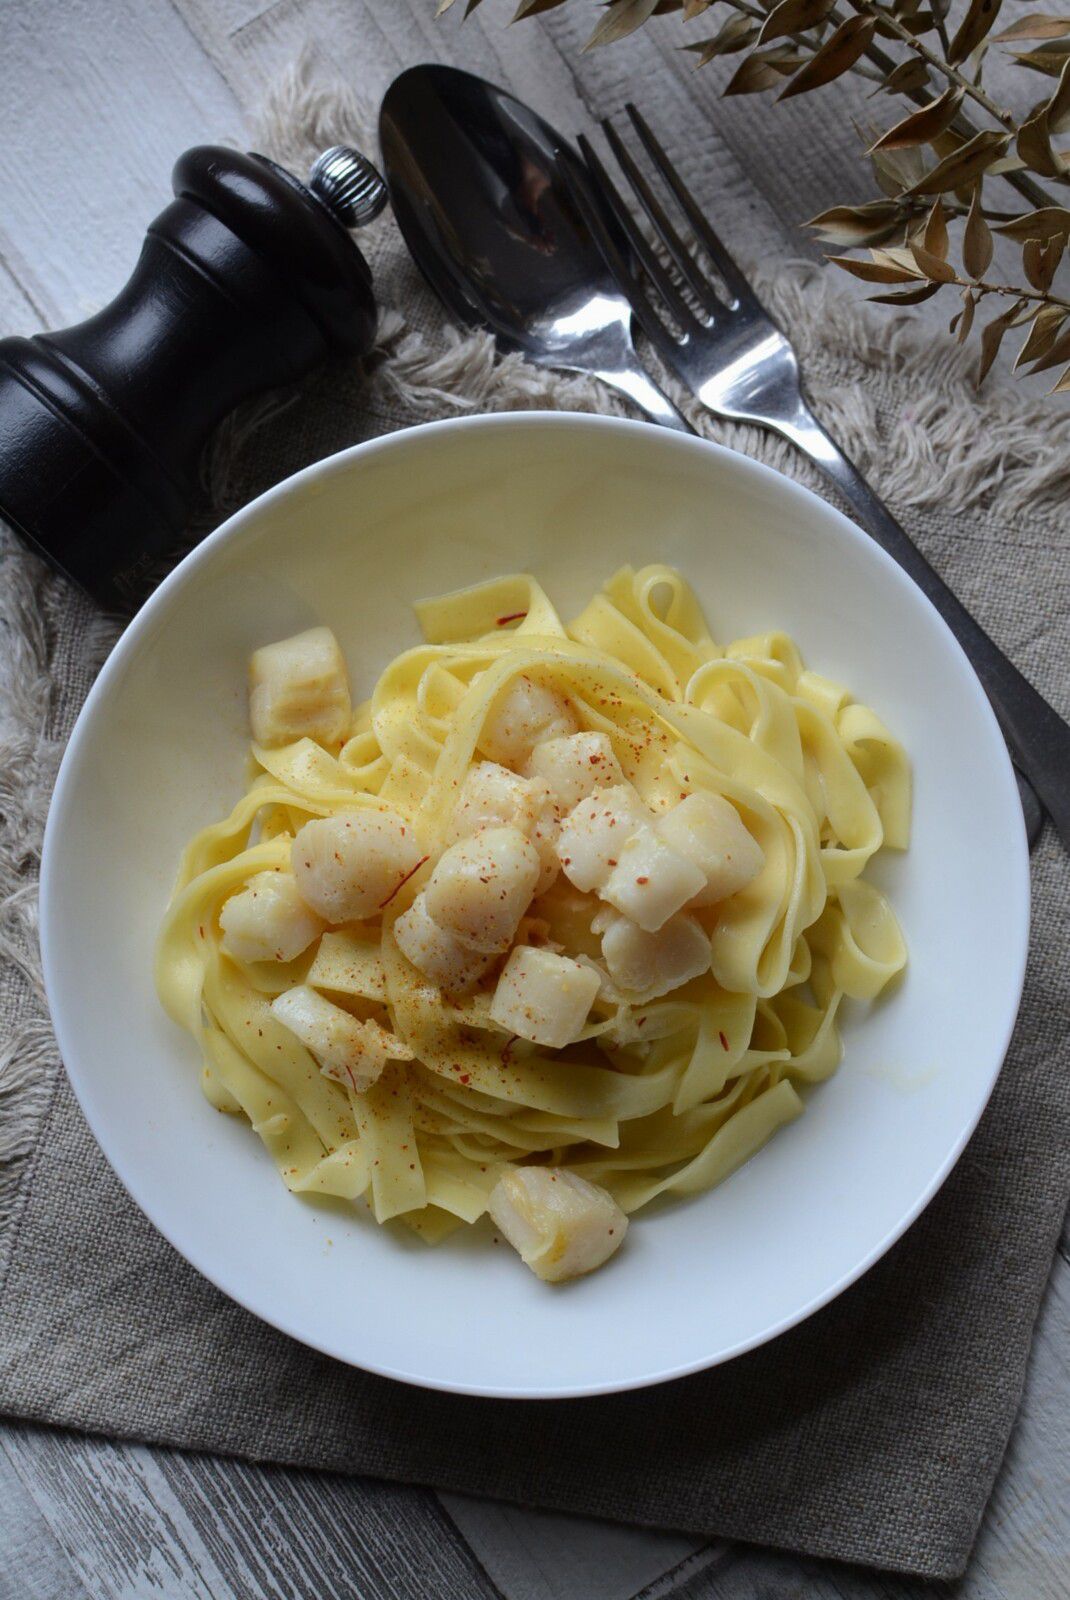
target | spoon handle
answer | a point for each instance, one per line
(632, 380)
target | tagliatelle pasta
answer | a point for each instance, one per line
(698, 985)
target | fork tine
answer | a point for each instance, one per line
(685, 263)
(653, 268)
(727, 267)
(583, 186)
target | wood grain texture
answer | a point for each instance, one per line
(99, 99)
(134, 1523)
(99, 96)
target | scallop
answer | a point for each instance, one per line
(482, 886)
(561, 1225)
(651, 964)
(492, 796)
(436, 953)
(521, 715)
(352, 1051)
(708, 829)
(350, 865)
(594, 833)
(574, 767)
(298, 689)
(651, 881)
(544, 997)
(268, 920)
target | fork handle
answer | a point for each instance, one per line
(1038, 737)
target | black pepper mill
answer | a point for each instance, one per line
(248, 280)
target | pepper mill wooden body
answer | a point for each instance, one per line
(247, 281)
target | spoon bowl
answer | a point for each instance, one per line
(479, 190)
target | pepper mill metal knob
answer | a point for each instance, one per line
(246, 282)
(349, 185)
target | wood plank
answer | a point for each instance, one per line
(33, 1565)
(98, 102)
(134, 1522)
(18, 314)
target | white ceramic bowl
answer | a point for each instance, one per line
(160, 749)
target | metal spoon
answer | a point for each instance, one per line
(476, 184)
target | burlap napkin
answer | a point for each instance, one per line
(871, 1433)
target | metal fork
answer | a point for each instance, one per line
(742, 368)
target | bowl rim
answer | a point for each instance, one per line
(1002, 776)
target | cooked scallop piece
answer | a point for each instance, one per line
(298, 689)
(594, 833)
(651, 881)
(350, 865)
(574, 767)
(651, 964)
(436, 953)
(543, 997)
(492, 796)
(561, 1225)
(709, 830)
(352, 1051)
(522, 714)
(268, 920)
(481, 888)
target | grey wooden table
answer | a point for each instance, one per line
(98, 97)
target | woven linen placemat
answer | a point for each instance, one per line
(871, 1433)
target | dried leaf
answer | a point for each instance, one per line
(923, 125)
(620, 18)
(992, 338)
(1063, 383)
(1059, 104)
(794, 16)
(896, 255)
(935, 236)
(977, 243)
(875, 271)
(921, 22)
(975, 27)
(906, 297)
(535, 8)
(965, 164)
(1042, 224)
(969, 306)
(1034, 145)
(1039, 261)
(898, 171)
(1042, 334)
(934, 268)
(1047, 58)
(763, 69)
(736, 33)
(1035, 26)
(871, 223)
(908, 76)
(836, 56)
(1056, 355)
(695, 8)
